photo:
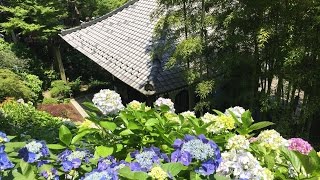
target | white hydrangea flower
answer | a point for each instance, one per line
(188, 114)
(34, 147)
(271, 139)
(238, 142)
(242, 165)
(237, 111)
(108, 102)
(77, 155)
(164, 101)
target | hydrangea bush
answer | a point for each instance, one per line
(140, 142)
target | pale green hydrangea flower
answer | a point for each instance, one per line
(221, 124)
(158, 173)
(271, 139)
(238, 142)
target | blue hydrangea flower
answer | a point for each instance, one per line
(73, 159)
(33, 151)
(145, 160)
(3, 137)
(5, 163)
(50, 175)
(110, 162)
(107, 174)
(199, 149)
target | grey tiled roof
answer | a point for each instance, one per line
(121, 42)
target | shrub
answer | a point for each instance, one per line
(11, 85)
(60, 89)
(75, 86)
(24, 118)
(156, 143)
(50, 101)
(34, 83)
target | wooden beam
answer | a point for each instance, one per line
(60, 63)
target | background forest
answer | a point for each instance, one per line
(262, 55)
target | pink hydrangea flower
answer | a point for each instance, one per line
(300, 145)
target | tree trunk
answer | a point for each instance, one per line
(60, 63)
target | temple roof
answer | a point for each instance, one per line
(121, 42)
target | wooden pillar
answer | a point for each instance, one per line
(60, 64)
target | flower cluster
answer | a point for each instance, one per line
(34, 151)
(5, 163)
(188, 114)
(136, 105)
(300, 145)
(3, 138)
(172, 117)
(242, 165)
(164, 102)
(237, 111)
(144, 160)
(108, 174)
(318, 153)
(158, 173)
(110, 162)
(199, 149)
(73, 159)
(50, 175)
(108, 102)
(271, 139)
(238, 142)
(221, 124)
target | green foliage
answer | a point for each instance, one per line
(24, 119)
(41, 18)
(50, 101)
(60, 89)
(105, 6)
(12, 85)
(34, 83)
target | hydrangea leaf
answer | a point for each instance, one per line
(108, 125)
(126, 132)
(103, 151)
(173, 168)
(260, 125)
(55, 146)
(80, 135)
(152, 122)
(65, 135)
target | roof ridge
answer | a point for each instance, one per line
(98, 19)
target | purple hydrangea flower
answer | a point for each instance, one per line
(5, 163)
(50, 175)
(34, 151)
(300, 145)
(144, 160)
(73, 159)
(3, 137)
(198, 149)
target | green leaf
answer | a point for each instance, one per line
(25, 168)
(173, 168)
(81, 134)
(246, 118)
(126, 132)
(126, 173)
(12, 146)
(91, 106)
(151, 122)
(293, 158)
(65, 135)
(132, 125)
(103, 151)
(55, 146)
(140, 175)
(108, 125)
(260, 125)
(194, 176)
(270, 161)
